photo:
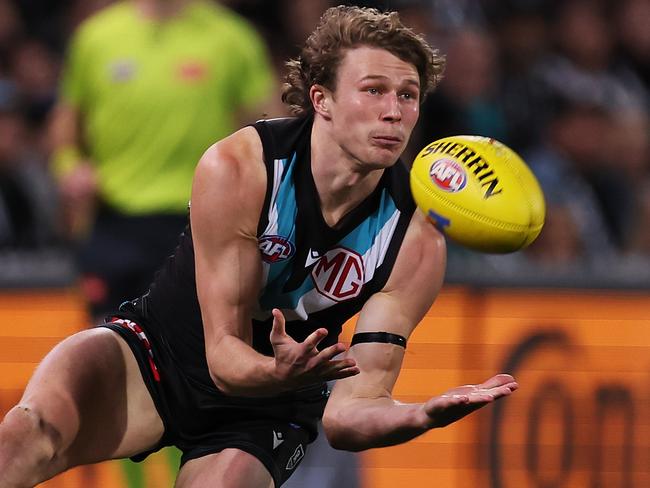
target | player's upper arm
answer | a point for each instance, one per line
(227, 198)
(413, 285)
(410, 291)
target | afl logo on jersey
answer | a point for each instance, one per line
(276, 248)
(448, 175)
(339, 274)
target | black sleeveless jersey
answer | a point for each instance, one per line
(317, 275)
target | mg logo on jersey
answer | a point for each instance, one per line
(276, 248)
(339, 274)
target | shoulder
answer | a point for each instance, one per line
(282, 136)
(228, 22)
(105, 27)
(236, 157)
(230, 183)
(423, 247)
(106, 19)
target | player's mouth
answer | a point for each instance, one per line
(387, 141)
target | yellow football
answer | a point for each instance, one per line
(479, 193)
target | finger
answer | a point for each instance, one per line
(504, 390)
(278, 323)
(313, 339)
(331, 351)
(323, 366)
(497, 381)
(337, 366)
(343, 373)
(488, 395)
(481, 397)
(447, 399)
(445, 402)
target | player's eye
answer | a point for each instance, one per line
(408, 96)
(373, 90)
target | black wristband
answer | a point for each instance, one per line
(385, 337)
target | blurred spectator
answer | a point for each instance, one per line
(627, 148)
(571, 156)
(27, 216)
(43, 20)
(35, 72)
(8, 90)
(10, 27)
(284, 25)
(561, 243)
(300, 19)
(633, 34)
(466, 101)
(509, 62)
(521, 32)
(576, 234)
(10, 31)
(584, 68)
(560, 251)
(148, 85)
(639, 243)
(455, 15)
(584, 72)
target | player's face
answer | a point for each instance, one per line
(375, 105)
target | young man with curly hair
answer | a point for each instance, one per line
(296, 225)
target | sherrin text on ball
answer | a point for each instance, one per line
(479, 192)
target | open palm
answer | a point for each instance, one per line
(458, 402)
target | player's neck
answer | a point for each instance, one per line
(341, 181)
(161, 9)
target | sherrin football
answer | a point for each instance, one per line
(479, 193)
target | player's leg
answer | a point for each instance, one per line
(230, 468)
(86, 402)
(246, 454)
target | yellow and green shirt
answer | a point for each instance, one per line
(154, 95)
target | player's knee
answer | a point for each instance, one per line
(26, 435)
(333, 431)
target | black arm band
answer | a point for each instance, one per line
(385, 337)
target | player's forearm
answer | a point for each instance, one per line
(369, 423)
(238, 370)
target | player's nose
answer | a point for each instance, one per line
(391, 110)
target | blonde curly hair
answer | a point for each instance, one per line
(342, 28)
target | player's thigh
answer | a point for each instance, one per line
(230, 468)
(90, 391)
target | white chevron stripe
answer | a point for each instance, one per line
(374, 257)
(272, 226)
(313, 301)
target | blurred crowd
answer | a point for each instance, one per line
(565, 83)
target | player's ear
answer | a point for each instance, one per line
(320, 99)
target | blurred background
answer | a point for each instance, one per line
(565, 83)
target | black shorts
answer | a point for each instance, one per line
(200, 420)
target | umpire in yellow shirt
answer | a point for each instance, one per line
(147, 86)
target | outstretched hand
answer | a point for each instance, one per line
(301, 363)
(458, 402)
